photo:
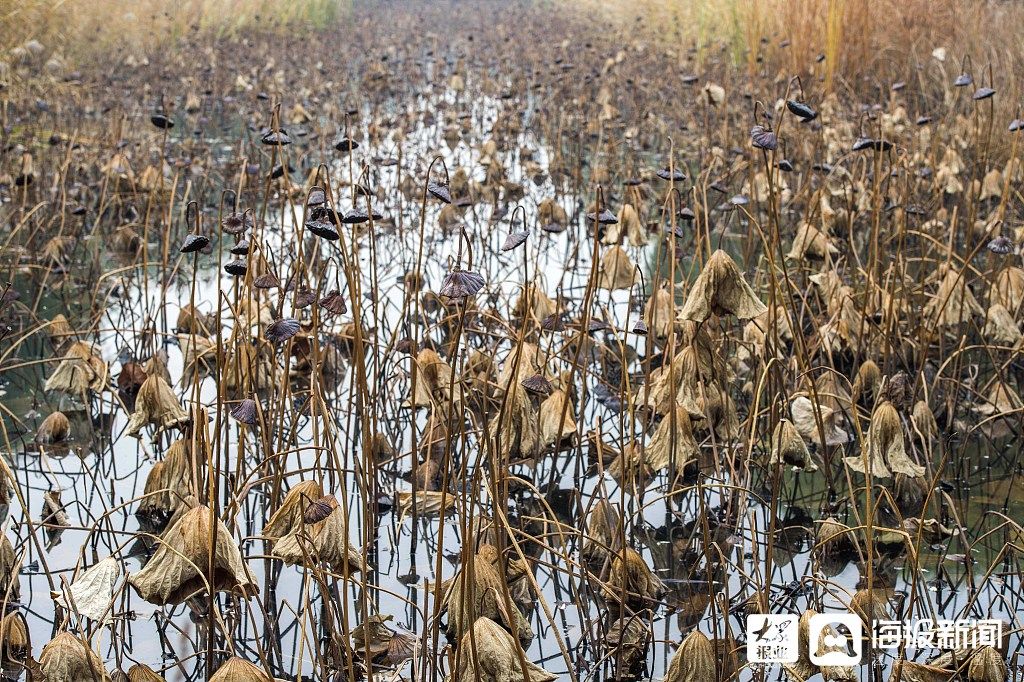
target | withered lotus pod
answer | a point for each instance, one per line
(316, 197)
(323, 229)
(334, 303)
(538, 384)
(640, 328)
(492, 655)
(785, 165)
(237, 267)
(721, 289)
(267, 280)
(460, 284)
(319, 509)
(68, 659)
(963, 80)
(693, 661)
(604, 217)
(156, 404)
(176, 570)
(282, 330)
(982, 93)
(346, 145)
(55, 429)
(801, 110)
(763, 138)
(674, 175)
(237, 669)
(10, 582)
(1016, 125)
(276, 138)
(1001, 245)
(15, 642)
(237, 223)
(383, 645)
(162, 121)
(245, 412)
(142, 673)
(440, 191)
(194, 243)
(240, 248)
(304, 297)
(515, 239)
(862, 143)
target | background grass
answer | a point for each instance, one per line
(866, 44)
(82, 30)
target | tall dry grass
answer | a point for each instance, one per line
(864, 43)
(91, 29)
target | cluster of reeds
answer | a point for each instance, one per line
(447, 356)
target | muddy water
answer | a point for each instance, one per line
(105, 470)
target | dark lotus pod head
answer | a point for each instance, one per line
(279, 171)
(881, 145)
(267, 280)
(898, 86)
(161, 121)
(194, 243)
(596, 325)
(1001, 245)
(923, 120)
(276, 138)
(553, 228)
(686, 213)
(240, 248)
(236, 268)
(739, 200)
(963, 80)
(676, 230)
(605, 217)
(324, 213)
(785, 165)
(763, 138)
(317, 197)
(355, 217)
(460, 284)
(862, 143)
(245, 412)
(553, 323)
(282, 330)
(675, 174)
(633, 182)
(236, 223)
(440, 191)
(1016, 125)
(801, 110)
(640, 328)
(346, 145)
(514, 240)
(304, 297)
(334, 303)
(322, 229)
(538, 384)
(982, 93)
(318, 510)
